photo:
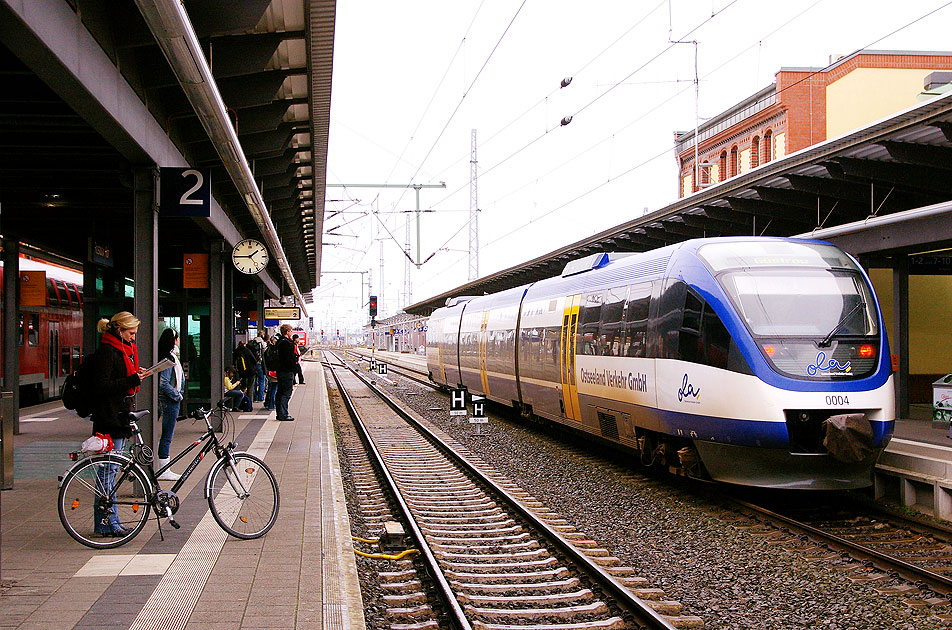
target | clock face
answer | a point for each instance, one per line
(250, 256)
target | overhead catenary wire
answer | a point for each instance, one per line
(465, 94)
(661, 154)
(435, 91)
(583, 108)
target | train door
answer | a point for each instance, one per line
(570, 404)
(483, 342)
(53, 354)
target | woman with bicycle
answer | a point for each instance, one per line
(116, 377)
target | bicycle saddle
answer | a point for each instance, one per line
(135, 416)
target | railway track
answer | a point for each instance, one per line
(884, 546)
(498, 558)
(893, 555)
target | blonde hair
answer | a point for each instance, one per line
(123, 320)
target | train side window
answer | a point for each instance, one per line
(703, 338)
(33, 333)
(611, 325)
(589, 315)
(64, 360)
(689, 336)
(52, 293)
(715, 338)
(636, 320)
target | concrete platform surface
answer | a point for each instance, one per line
(301, 574)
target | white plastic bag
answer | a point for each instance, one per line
(96, 444)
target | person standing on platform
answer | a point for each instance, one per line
(270, 362)
(257, 346)
(298, 372)
(171, 392)
(285, 371)
(116, 377)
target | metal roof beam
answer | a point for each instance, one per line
(924, 154)
(916, 176)
(677, 225)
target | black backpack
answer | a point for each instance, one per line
(271, 357)
(77, 390)
(255, 353)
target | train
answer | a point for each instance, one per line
(50, 327)
(754, 361)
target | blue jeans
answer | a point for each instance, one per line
(170, 411)
(285, 387)
(258, 393)
(271, 395)
(233, 398)
(107, 474)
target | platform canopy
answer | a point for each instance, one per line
(67, 154)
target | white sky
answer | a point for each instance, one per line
(413, 78)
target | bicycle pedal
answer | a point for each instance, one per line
(174, 524)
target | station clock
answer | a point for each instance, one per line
(250, 256)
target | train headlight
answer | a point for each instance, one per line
(867, 351)
(769, 350)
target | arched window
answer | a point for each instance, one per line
(755, 152)
(768, 146)
(733, 170)
(722, 167)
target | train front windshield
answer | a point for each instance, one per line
(807, 305)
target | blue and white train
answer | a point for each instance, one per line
(752, 361)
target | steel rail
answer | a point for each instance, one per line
(436, 572)
(642, 611)
(934, 580)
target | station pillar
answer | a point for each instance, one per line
(11, 320)
(146, 279)
(217, 315)
(901, 333)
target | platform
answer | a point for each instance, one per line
(302, 574)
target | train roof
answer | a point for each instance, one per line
(616, 268)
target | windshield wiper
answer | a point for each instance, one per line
(829, 338)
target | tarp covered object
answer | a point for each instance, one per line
(849, 437)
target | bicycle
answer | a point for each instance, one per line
(241, 490)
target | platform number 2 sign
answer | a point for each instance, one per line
(185, 192)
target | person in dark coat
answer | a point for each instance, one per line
(298, 372)
(116, 377)
(285, 368)
(244, 362)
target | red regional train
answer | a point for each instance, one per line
(50, 327)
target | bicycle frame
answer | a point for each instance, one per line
(209, 442)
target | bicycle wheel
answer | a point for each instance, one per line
(86, 508)
(243, 495)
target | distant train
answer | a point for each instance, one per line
(50, 327)
(752, 361)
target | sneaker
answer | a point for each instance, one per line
(168, 475)
(117, 531)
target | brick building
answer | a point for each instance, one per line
(806, 106)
